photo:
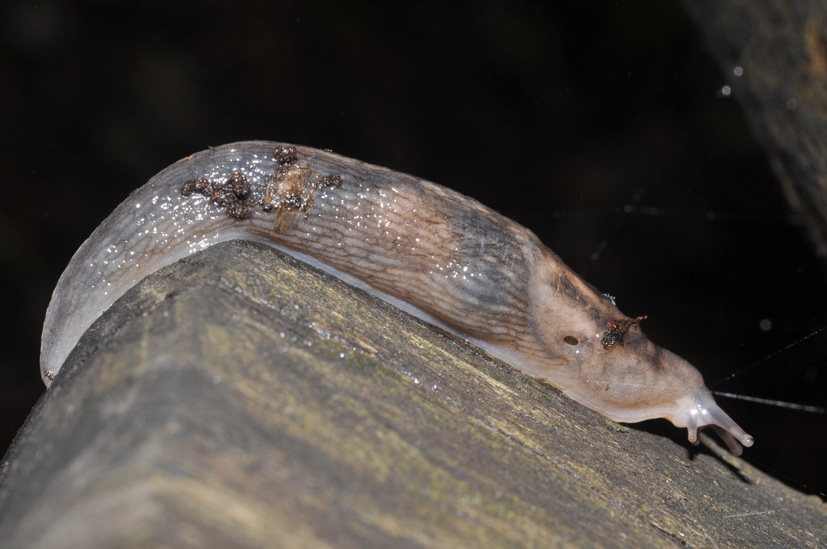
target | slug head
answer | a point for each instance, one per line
(674, 389)
(638, 380)
(700, 409)
(612, 367)
(666, 385)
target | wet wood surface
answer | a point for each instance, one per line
(240, 398)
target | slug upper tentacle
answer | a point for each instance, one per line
(440, 255)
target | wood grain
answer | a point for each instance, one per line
(241, 398)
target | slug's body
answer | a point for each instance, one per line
(440, 255)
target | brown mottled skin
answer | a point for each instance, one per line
(440, 255)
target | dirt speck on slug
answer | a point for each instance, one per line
(289, 193)
(286, 156)
(617, 329)
(232, 194)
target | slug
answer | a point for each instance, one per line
(435, 253)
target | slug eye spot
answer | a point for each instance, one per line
(571, 340)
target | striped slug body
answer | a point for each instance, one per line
(435, 253)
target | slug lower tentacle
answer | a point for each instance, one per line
(437, 254)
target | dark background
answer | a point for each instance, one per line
(602, 129)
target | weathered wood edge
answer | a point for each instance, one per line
(241, 398)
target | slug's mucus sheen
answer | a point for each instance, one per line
(435, 253)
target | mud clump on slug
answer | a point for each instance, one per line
(616, 329)
(435, 253)
(230, 194)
